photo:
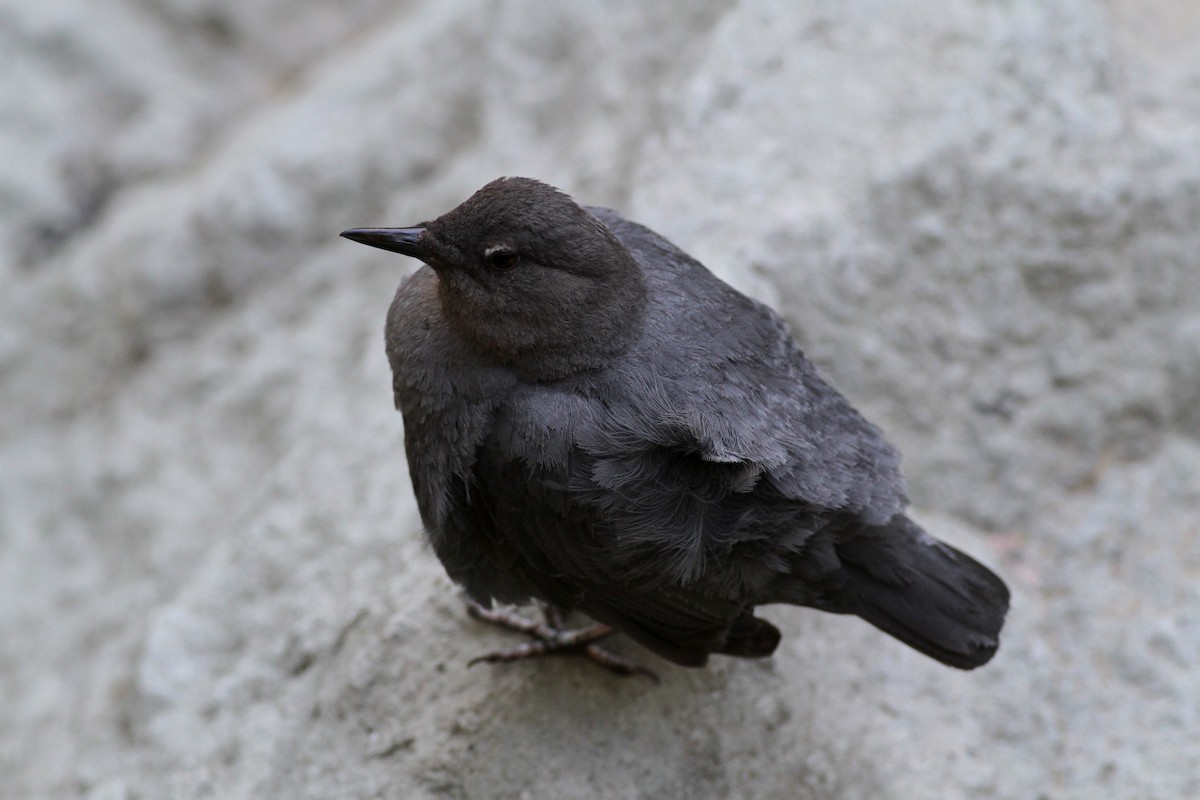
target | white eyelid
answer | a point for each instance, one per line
(496, 248)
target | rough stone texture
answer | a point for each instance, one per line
(980, 218)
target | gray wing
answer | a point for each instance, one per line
(722, 370)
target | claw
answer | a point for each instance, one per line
(552, 638)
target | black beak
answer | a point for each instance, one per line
(398, 240)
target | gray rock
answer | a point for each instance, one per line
(980, 220)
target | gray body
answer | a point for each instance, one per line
(693, 470)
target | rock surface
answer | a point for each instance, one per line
(980, 220)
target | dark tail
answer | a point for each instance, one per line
(927, 594)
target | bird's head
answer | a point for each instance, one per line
(528, 277)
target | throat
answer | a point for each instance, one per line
(591, 344)
(548, 324)
(550, 347)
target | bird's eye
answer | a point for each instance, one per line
(502, 258)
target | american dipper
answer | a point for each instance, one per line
(595, 421)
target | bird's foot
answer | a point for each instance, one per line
(552, 637)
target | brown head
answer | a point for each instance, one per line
(528, 277)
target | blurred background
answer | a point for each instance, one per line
(981, 219)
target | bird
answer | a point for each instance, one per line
(594, 421)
